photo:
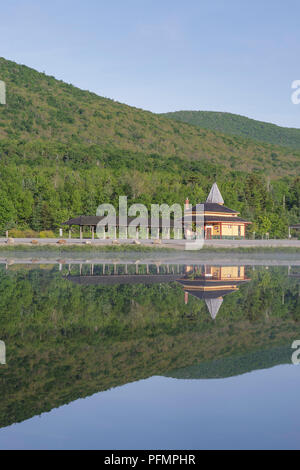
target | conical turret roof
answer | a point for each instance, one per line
(214, 306)
(215, 196)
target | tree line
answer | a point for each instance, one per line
(41, 197)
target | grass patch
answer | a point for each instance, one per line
(94, 249)
(80, 248)
(259, 249)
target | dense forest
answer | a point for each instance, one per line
(234, 124)
(41, 197)
(65, 341)
(64, 151)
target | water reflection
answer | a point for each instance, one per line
(78, 329)
(205, 282)
(211, 283)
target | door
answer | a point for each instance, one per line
(208, 234)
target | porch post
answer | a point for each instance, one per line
(123, 232)
(166, 233)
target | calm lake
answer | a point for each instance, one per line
(149, 355)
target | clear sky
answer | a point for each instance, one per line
(165, 55)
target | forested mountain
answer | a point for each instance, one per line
(64, 151)
(45, 110)
(234, 124)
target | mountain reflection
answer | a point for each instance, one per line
(82, 328)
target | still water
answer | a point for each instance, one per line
(149, 356)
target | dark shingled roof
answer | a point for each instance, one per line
(216, 218)
(212, 218)
(209, 282)
(295, 226)
(210, 294)
(93, 220)
(213, 207)
(123, 279)
(83, 220)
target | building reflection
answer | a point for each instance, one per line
(212, 283)
(203, 282)
(294, 272)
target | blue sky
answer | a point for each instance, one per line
(257, 410)
(165, 55)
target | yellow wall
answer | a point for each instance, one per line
(221, 272)
(215, 271)
(232, 230)
(226, 272)
(228, 230)
(235, 272)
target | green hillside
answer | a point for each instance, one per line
(64, 151)
(236, 125)
(41, 108)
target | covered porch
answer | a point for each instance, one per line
(122, 228)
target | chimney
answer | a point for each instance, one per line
(186, 298)
(187, 204)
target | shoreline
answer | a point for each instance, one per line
(133, 244)
(92, 247)
(156, 257)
